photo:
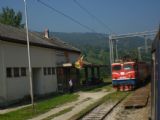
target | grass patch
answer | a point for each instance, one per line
(59, 113)
(107, 85)
(107, 79)
(97, 88)
(115, 96)
(108, 88)
(40, 107)
(108, 98)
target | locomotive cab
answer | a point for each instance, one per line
(116, 70)
(124, 75)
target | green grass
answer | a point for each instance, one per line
(59, 113)
(107, 79)
(96, 88)
(107, 86)
(40, 107)
(112, 97)
(115, 96)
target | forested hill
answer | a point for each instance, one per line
(95, 45)
(80, 39)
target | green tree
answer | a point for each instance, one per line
(10, 17)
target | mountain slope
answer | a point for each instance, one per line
(95, 46)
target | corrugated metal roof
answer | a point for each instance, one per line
(18, 35)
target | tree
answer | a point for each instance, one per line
(10, 17)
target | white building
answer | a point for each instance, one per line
(46, 54)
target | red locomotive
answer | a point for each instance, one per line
(128, 75)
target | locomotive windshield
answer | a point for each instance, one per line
(116, 67)
(128, 67)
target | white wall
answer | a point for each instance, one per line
(41, 57)
(3, 96)
(15, 55)
(61, 58)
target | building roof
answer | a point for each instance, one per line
(18, 35)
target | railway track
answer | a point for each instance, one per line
(100, 112)
(138, 99)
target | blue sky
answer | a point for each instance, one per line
(122, 16)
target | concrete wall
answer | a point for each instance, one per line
(61, 58)
(15, 55)
(3, 91)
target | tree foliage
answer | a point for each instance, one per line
(10, 17)
(96, 49)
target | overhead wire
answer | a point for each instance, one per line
(93, 16)
(67, 16)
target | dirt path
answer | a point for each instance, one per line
(85, 99)
(4, 111)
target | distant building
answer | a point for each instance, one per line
(47, 55)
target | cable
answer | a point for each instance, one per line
(93, 16)
(67, 16)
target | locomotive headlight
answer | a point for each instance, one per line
(122, 73)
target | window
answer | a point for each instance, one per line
(128, 67)
(16, 72)
(49, 71)
(45, 71)
(23, 71)
(116, 67)
(53, 71)
(9, 72)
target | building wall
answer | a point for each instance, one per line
(73, 57)
(2, 75)
(45, 58)
(15, 56)
(62, 58)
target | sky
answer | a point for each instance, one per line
(121, 16)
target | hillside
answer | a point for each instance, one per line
(95, 45)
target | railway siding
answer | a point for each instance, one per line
(138, 99)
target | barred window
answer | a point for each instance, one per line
(16, 72)
(53, 71)
(23, 71)
(9, 72)
(45, 71)
(49, 71)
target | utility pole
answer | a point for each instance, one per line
(139, 53)
(129, 35)
(146, 44)
(116, 50)
(110, 51)
(29, 58)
